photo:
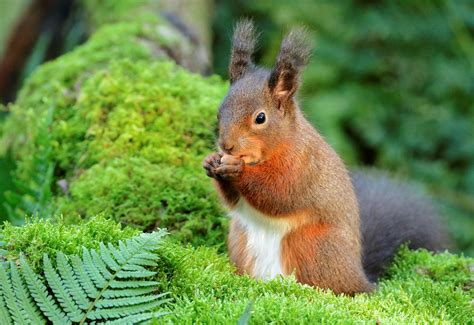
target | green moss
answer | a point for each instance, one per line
(420, 287)
(39, 236)
(135, 191)
(138, 136)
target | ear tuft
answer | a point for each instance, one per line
(243, 45)
(295, 51)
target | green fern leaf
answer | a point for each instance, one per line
(28, 308)
(104, 308)
(107, 258)
(110, 285)
(4, 314)
(39, 292)
(117, 254)
(128, 292)
(122, 311)
(127, 301)
(133, 284)
(95, 275)
(83, 278)
(60, 291)
(9, 295)
(71, 282)
(135, 319)
(135, 274)
(100, 265)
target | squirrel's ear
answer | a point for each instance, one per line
(243, 45)
(295, 51)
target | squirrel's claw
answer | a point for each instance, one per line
(210, 163)
(224, 167)
(229, 171)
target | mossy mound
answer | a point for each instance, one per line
(123, 131)
(420, 287)
(148, 126)
(39, 236)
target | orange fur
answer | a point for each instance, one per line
(296, 249)
(318, 255)
(268, 186)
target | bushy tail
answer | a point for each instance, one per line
(392, 214)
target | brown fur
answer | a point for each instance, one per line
(284, 169)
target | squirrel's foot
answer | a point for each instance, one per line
(224, 167)
(230, 167)
(210, 163)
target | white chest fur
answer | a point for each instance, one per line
(264, 236)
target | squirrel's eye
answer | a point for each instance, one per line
(260, 119)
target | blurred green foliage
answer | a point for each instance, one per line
(390, 84)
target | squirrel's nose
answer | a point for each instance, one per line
(226, 147)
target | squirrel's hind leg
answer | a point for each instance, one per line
(323, 257)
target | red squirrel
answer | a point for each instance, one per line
(291, 199)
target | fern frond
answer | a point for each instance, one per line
(109, 285)
(4, 314)
(107, 258)
(81, 275)
(71, 282)
(40, 293)
(33, 195)
(123, 311)
(127, 301)
(136, 319)
(129, 292)
(94, 274)
(133, 284)
(7, 291)
(119, 272)
(28, 308)
(60, 291)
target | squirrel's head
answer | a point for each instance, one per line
(259, 113)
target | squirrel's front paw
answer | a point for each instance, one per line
(230, 167)
(210, 163)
